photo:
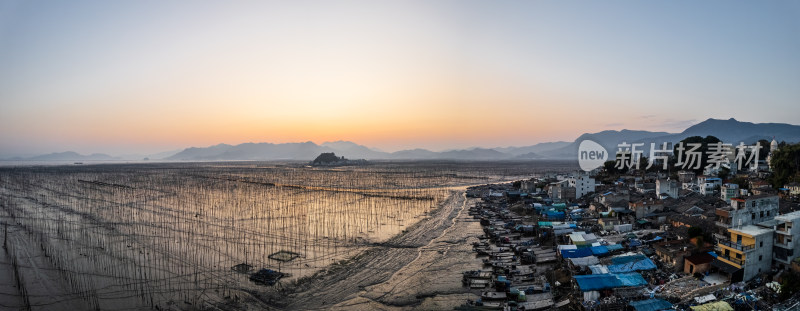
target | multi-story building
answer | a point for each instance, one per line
(746, 253)
(686, 176)
(746, 211)
(582, 184)
(785, 246)
(708, 184)
(728, 192)
(644, 207)
(793, 187)
(561, 191)
(668, 187)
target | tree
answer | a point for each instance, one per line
(764, 151)
(724, 173)
(704, 142)
(611, 167)
(790, 284)
(785, 164)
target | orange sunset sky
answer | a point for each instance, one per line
(149, 76)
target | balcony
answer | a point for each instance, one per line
(733, 260)
(743, 248)
(722, 224)
(785, 244)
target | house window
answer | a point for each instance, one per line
(759, 257)
(761, 244)
(752, 215)
(762, 214)
(738, 256)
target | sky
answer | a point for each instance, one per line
(123, 77)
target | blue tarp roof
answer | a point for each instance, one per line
(644, 264)
(576, 253)
(604, 281)
(626, 259)
(651, 305)
(601, 250)
(631, 279)
(613, 247)
(554, 215)
(597, 282)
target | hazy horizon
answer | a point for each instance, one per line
(147, 77)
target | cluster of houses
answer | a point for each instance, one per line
(643, 241)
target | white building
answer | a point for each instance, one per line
(668, 187)
(786, 245)
(729, 191)
(747, 211)
(708, 184)
(583, 185)
(749, 248)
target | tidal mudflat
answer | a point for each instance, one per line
(193, 235)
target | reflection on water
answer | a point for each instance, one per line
(150, 235)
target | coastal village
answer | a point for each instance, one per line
(638, 240)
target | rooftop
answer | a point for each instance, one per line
(789, 217)
(700, 258)
(751, 230)
(754, 197)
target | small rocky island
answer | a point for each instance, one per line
(330, 159)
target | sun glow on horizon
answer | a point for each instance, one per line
(91, 76)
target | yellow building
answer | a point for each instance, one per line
(746, 253)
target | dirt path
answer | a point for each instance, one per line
(384, 265)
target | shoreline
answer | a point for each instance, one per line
(376, 265)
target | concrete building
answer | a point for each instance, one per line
(686, 176)
(613, 198)
(746, 211)
(728, 192)
(746, 253)
(644, 207)
(561, 191)
(708, 184)
(582, 184)
(698, 263)
(608, 223)
(673, 252)
(786, 245)
(794, 188)
(668, 187)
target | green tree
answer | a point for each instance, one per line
(704, 142)
(790, 284)
(785, 164)
(611, 167)
(724, 173)
(764, 151)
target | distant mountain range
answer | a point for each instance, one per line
(729, 131)
(67, 156)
